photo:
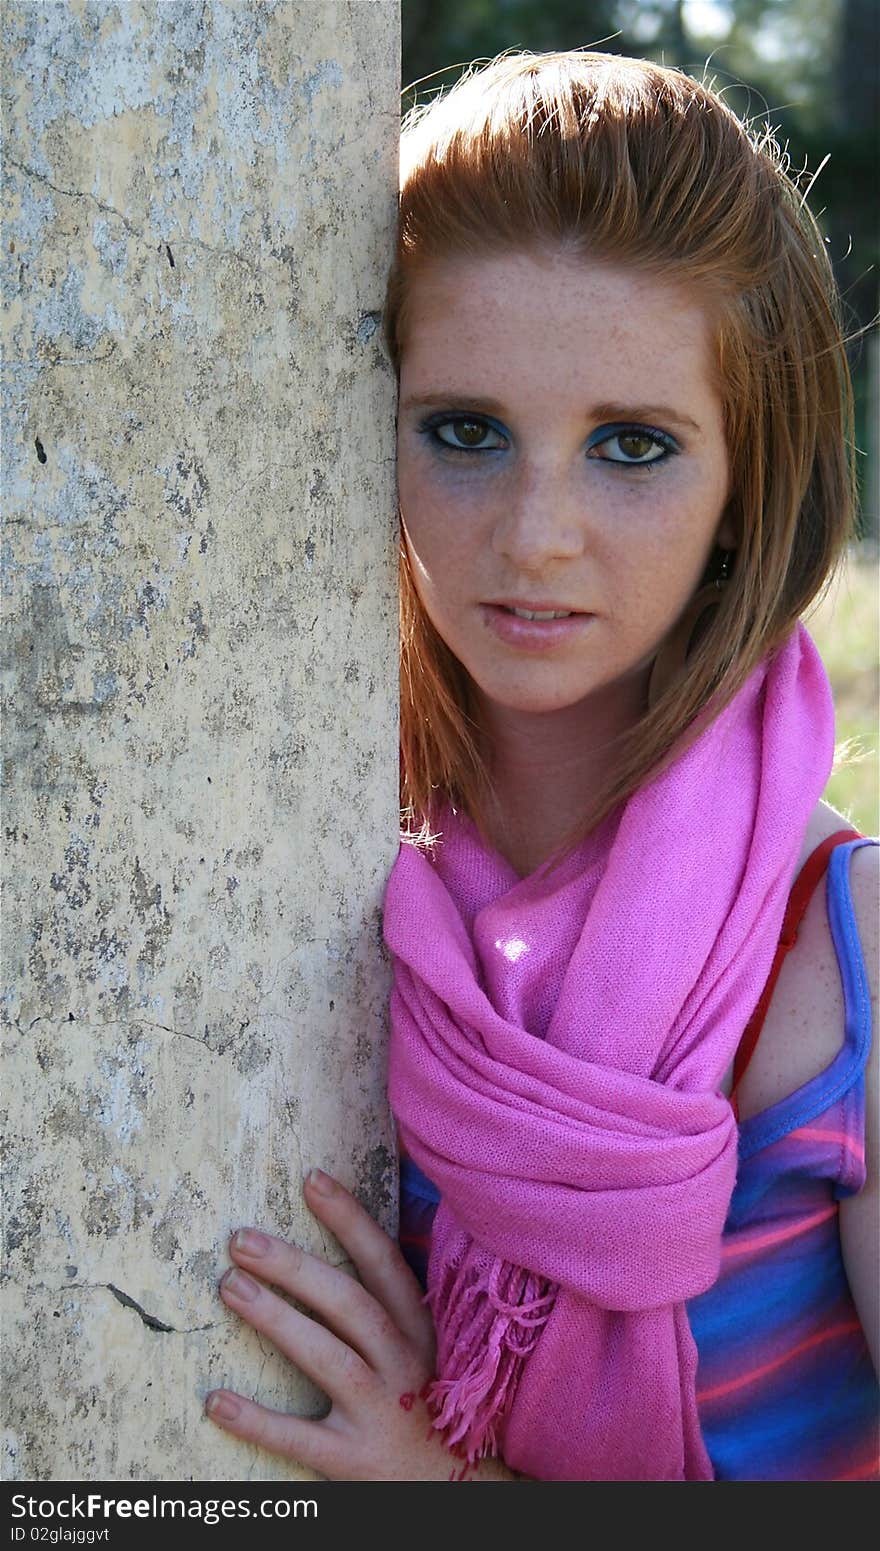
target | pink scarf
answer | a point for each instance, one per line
(556, 1053)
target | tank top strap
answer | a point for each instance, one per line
(804, 887)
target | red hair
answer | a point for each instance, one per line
(625, 160)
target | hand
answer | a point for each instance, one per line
(373, 1352)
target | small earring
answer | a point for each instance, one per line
(672, 656)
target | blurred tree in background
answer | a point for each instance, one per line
(809, 67)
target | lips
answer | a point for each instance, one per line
(530, 610)
(534, 625)
(541, 613)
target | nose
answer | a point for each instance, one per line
(540, 521)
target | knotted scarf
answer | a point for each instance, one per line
(557, 1048)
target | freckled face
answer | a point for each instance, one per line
(560, 451)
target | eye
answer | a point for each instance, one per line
(632, 446)
(464, 433)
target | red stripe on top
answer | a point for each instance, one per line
(755, 1374)
(762, 1240)
(839, 1137)
(867, 1472)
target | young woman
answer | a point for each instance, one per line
(648, 1236)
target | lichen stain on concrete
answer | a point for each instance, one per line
(169, 1233)
(24, 1221)
(146, 901)
(74, 883)
(375, 1175)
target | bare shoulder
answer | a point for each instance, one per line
(824, 821)
(802, 1034)
(803, 1030)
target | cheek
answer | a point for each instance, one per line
(423, 530)
(413, 491)
(440, 521)
(658, 549)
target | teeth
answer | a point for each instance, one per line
(542, 613)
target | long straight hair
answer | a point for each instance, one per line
(626, 161)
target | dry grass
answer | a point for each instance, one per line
(845, 627)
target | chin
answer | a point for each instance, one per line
(540, 705)
(532, 700)
(618, 695)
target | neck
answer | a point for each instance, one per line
(545, 766)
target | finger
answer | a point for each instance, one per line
(343, 1304)
(380, 1264)
(333, 1366)
(317, 1444)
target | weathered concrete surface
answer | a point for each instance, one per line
(200, 721)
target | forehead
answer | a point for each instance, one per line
(558, 321)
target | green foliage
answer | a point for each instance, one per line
(440, 36)
(845, 629)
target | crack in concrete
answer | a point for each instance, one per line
(180, 240)
(130, 1303)
(25, 1029)
(265, 1354)
(150, 1320)
(72, 193)
(197, 1039)
(127, 1023)
(116, 1023)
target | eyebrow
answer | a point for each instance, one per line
(599, 412)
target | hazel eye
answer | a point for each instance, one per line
(631, 446)
(465, 433)
(638, 446)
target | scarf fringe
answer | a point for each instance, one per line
(492, 1316)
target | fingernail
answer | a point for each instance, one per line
(223, 1406)
(241, 1286)
(251, 1243)
(320, 1182)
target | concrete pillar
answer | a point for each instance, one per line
(201, 697)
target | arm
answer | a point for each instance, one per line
(372, 1352)
(860, 1214)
